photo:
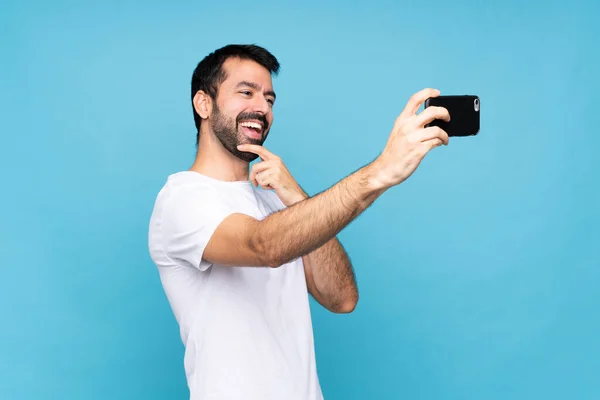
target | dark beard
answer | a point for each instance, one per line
(227, 131)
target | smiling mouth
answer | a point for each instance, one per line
(252, 129)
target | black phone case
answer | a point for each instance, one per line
(464, 114)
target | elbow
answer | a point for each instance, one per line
(347, 306)
(270, 258)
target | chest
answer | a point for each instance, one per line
(258, 204)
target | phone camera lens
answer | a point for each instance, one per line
(476, 105)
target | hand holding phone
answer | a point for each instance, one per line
(464, 114)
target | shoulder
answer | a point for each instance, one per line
(184, 199)
(186, 214)
(188, 188)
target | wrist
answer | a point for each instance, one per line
(300, 196)
(375, 178)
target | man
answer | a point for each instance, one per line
(239, 251)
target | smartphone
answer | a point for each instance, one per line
(464, 114)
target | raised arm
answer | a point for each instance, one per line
(307, 225)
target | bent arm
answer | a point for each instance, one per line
(241, 240)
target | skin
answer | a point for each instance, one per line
(212, 158)
(308, 227)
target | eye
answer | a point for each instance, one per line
(271, 101)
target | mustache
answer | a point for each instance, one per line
(254, 116)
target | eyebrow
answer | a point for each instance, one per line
(255, 87)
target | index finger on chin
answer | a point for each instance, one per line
(256, 149)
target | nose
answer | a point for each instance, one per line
(261, 105)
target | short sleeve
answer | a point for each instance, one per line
(190, 216)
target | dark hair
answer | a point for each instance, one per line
(209, 73)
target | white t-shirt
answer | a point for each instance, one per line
(247, 331)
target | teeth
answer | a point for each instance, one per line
(251, 125)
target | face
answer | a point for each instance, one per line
(243, 112)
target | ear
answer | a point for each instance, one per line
(203, 104)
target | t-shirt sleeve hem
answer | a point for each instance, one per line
(190, 218)
(211, 227)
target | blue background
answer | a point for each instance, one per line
(479, 277)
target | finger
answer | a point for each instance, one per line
(432, 143)
(256, 149)
(426, 147)
(252, 178)
(259, 167)
(263, 165)
(264, 178)
(430, 114)
(430, 133)
(415, 101)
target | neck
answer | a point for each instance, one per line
(213, 160)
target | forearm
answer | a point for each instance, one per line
(309, 224)
(333, 277)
